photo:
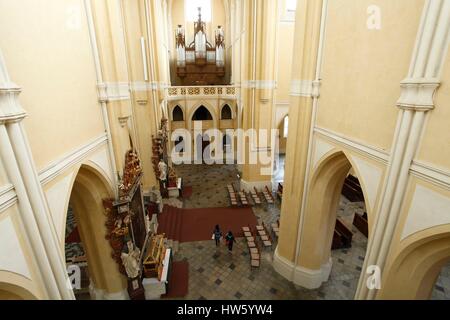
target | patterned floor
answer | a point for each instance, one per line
(216, 274)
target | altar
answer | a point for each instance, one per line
(156, 287)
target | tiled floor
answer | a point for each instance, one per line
(216, 274)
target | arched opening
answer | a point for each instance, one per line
(10, 291)
(177, 114)
(202, 114)
(419, 266)
(334, 233)
(86, 245)
(226, 113)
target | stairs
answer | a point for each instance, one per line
(170, 221)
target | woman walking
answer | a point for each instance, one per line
(217, 235)
(230, 240)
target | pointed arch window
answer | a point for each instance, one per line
(226, 113)
(177, 114)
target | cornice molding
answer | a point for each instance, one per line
(8, 197)
(259, 84)
(305, 88)
(430, 173)
(369, 151)
(57, 167)
(117, 91)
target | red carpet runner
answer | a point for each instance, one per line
(187, 225)
(178, 280)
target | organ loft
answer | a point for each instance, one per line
(200, 63)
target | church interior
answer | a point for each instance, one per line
(224, 150)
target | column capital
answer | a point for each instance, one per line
(417, 94)
(10, 109)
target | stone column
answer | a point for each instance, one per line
(257, 89)
(17, 158)
(308, 38)
(417, 91)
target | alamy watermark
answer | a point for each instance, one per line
(233, 146)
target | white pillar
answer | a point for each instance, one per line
(417, 92)
(11, 114)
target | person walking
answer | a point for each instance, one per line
(217, 235)
(230, 240)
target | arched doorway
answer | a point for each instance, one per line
(332, 246)
(202, 114)
(87, 211)
(15, 287)
(415, 270)
(226, 113)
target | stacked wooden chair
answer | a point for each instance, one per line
(255, 256)
(232, 195)
(276, 228)
(243, 198)
(264, 236)
(255, 196)
(268, 195)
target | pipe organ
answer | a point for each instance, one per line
(200, 63)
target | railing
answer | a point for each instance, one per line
(207, 91)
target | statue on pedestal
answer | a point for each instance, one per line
(130, 259)
(162, 167)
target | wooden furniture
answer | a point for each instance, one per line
(155, 254)
(255, 197)
(352, 189)
(360, 222)
(280, 191)
(342, 236)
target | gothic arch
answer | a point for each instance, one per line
(226, 112)
(90, 187)
(320, 214)
(417, 265)
(15, 287)
(177, 113)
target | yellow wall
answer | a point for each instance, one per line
(285, 53)
(435, 146)
(47, 51)
(362, 68)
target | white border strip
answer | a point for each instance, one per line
(370, 151)
(427, 172)
(55, 168)
(301, 88)
(259, 84)
(8, 197)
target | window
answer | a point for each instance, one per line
(202, 114)
(285, 127)
(191, 10)
(226, 112)
(179, 144)
(291, 5)
(177, 114)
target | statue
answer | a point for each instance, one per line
(130, 259)
(162, 166)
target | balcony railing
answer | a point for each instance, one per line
(180, 92)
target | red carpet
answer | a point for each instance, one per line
(186, 193)
(178, 280)
(187, 225)
(74, 236)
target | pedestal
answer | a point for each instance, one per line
(135, 289)
(153, 288)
